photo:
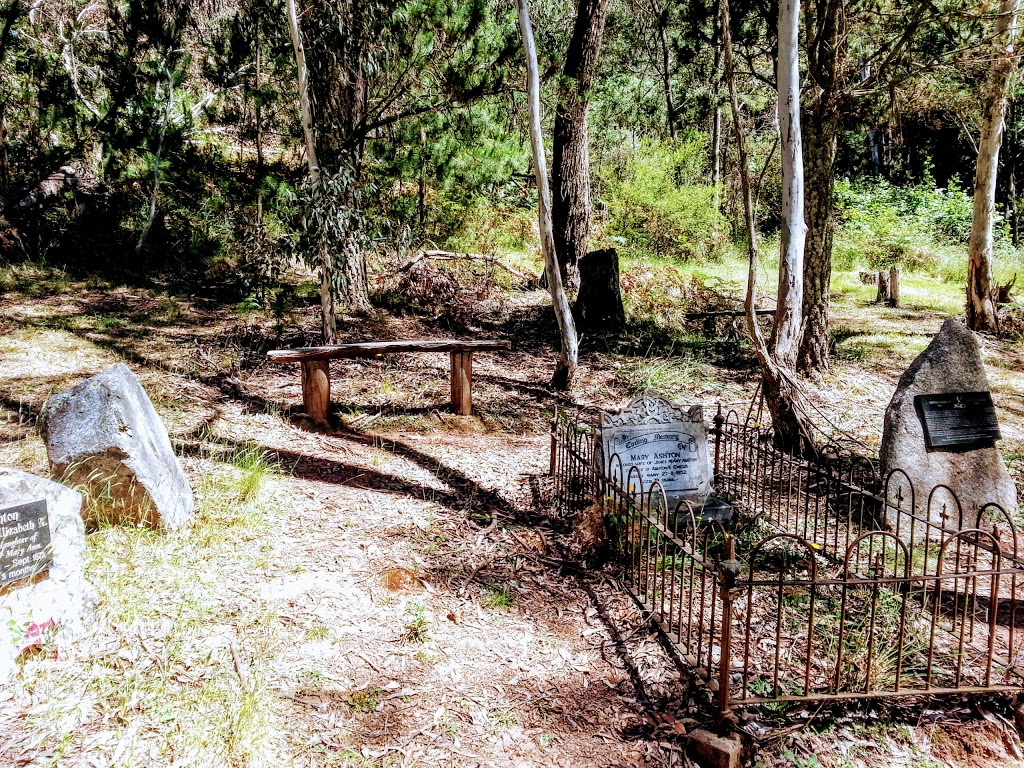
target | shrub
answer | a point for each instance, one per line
(658, 205)
(921, 229)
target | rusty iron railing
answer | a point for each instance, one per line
(830, 582)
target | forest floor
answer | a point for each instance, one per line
(392, 592)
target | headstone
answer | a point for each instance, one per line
(42, 561)
(941, 429)
(666, 442)
(105, 436)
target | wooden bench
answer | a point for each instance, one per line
(316, 374)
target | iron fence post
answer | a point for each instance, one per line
(554, 441)
(728, 571)
(717, 431)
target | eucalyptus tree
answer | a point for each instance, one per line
(981, 307)
(565, 370)
(374, 64)
(570, 176)
(859, 52)
(785, 400)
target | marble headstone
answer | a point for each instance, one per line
(42, 564)
(667, 443)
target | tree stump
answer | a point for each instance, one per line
(894, 287)
(599, 302)
(883, 293)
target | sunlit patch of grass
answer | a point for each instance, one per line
(500, 598)
(417, 623)
(502, 719)
(666, 375)
(254, 464)
(317, 632)
(158, 660)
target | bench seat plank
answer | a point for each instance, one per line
(374, 348)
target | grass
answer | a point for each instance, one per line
(502, 719)
(665, 375)
(254, 464)
(499, 598)
(365, 700)
(417, 624)
(157, 663)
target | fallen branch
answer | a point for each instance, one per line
(243, 678)
(479, 258)
(479, 567)
(725, 313)
(67, 177)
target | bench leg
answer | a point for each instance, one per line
(462, 382)
(316, 389)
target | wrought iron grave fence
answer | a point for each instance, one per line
(829, 582)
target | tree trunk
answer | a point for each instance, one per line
(151, 217)
(785, 337)
(327, 308)
(338, 57)
(570, 173)
(981, 309)
(819, 209)
(894, 287)
(666, 74)
(565, 371)
(716, 120)
(793, 428)
(599, 305)
(884, 292)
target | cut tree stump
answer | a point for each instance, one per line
(599, 301)
(894, 287)
(462, 383)
(883, 288)
(889, 287)
(316, 374)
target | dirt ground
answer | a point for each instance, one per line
(394, 590)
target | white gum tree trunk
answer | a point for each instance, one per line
(785, 339)
(794, 431)
(330, 330)
(565, 371)
(981, 307)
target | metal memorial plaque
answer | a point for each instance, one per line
(665, 442)
(24, 541)
(958, 419)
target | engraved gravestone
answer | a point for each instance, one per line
(42, 565)
(941, 430)
(24, 541)
(667, 443)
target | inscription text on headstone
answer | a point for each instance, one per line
(958, 419)
(24, 541)
(666, 443)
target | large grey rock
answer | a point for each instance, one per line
(105, 436)
(978, 476)
(62, 596)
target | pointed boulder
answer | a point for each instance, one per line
(104, 436)
(976, 474)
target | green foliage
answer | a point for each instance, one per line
(417, 624)
(657, 204)
(500, 598)
(921, 228)
(254, 464)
